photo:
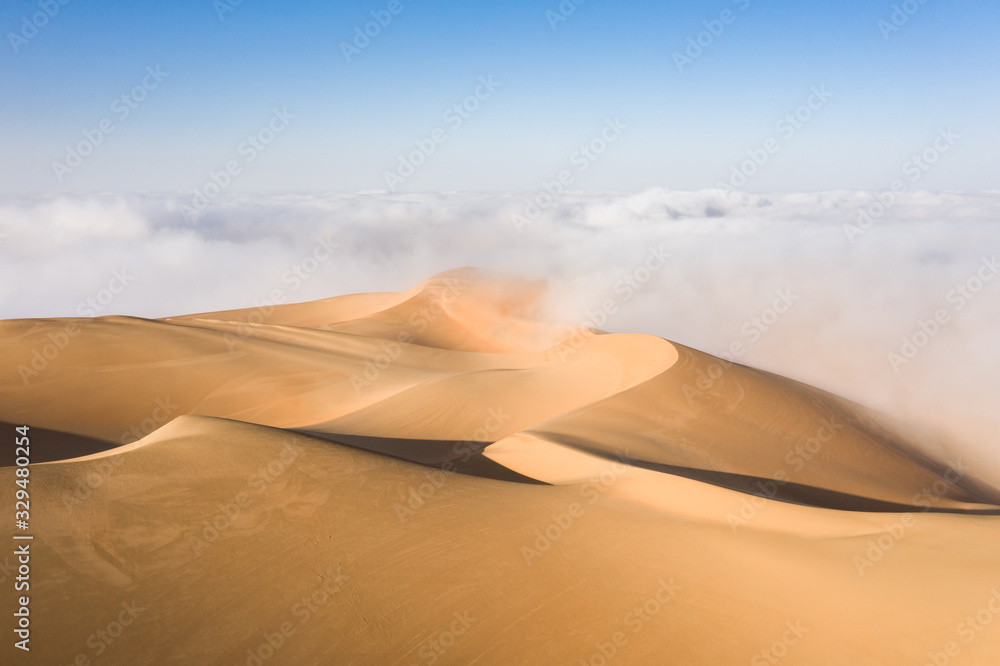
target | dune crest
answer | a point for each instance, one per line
(444, 459)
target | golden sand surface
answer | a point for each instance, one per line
(441, 476)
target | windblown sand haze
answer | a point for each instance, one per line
(445, 475)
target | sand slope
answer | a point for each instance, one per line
(219, 552)
(622, 498)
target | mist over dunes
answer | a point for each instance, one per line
(448, 474)
(865, 282)
(500, 334)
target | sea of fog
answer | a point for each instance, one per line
(892, 300)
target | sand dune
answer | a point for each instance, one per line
(762, 426)
(442, 476)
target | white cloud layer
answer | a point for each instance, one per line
(855, 296)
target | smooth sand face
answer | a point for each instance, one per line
(698, 512)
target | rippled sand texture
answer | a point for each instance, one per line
(440, 476)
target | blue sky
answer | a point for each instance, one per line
(557, 87)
